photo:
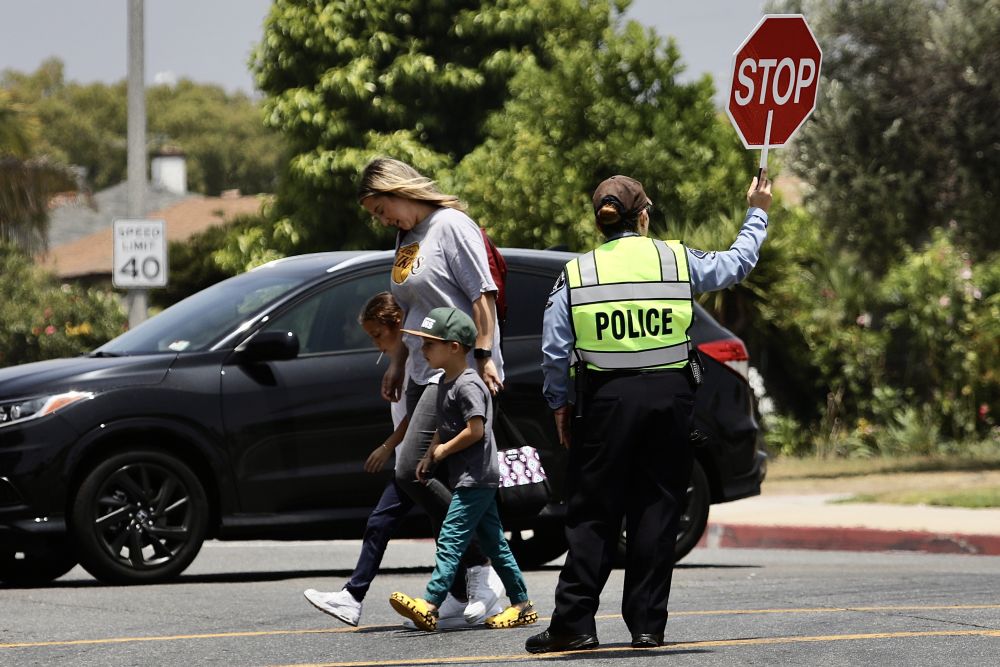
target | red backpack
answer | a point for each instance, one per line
(498, 269)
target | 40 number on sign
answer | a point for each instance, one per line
(149, 269)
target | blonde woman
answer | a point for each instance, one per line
(440, 261)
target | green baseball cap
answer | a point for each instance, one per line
(447, 323)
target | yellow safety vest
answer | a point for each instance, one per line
(630, 301)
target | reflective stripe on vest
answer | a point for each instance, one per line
(631, 307)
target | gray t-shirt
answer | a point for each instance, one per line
(440, 262)
(458, 402)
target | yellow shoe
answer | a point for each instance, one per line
(511, 617)
(416, 610)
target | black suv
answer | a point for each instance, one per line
(247, 410)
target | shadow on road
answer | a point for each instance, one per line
(226, 577)
(283, 575)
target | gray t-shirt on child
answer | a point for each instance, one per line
(458, 402)
(440, 262)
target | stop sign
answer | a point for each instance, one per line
(774, 80)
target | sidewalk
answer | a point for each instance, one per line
(816, 522)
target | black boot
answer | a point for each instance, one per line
(548, 642)
(646, 640)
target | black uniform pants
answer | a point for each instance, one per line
(630, 456)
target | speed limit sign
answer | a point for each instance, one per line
(140, 254)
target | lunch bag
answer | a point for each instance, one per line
(524, 488)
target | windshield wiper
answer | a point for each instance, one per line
(102, 353)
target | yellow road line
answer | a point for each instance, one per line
(687, 646)
(274, 633)
(821, 610)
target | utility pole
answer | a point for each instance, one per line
(136, 300)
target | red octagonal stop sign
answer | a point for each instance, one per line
(775, 73)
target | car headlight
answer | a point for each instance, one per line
(12, 412)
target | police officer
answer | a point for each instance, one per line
(620, 316)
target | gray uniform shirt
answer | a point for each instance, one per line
(440, 262)
(458, 402)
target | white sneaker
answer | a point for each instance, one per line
(450, 615)
(340, 605)
(485, 590)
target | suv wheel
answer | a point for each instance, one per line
(693, 520)
(139, 517)
(34, 568)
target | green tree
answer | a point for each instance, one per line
(416, 79)
(904, 138)
(27, 183)
(608, 103)
(85, 125)
(222, 134)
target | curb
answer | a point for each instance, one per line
(738, 536)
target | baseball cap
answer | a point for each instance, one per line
(625, 193)
(447, 323)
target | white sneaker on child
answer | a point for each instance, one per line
(450, 615)
(485, 590)
(340, 605)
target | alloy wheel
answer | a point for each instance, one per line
(142, 515)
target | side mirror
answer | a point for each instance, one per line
(270, 346)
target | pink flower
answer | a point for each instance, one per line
(983, 411)
(944, 301)
(49, 330)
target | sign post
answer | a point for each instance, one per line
(136, 300)
(775, 78)
(140, 254)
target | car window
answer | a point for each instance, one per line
(196, 322)
(529, 292)
(327, 321)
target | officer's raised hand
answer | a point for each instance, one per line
(759, 194)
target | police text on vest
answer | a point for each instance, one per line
(651, 322)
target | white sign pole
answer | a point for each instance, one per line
(767, 144)
(767, 140)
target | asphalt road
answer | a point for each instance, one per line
(241, 604)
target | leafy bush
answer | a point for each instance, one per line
(41, 319)
(942, 316)
(906, 364)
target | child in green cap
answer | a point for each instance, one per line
(464, 441)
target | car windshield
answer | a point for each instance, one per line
(198, 321)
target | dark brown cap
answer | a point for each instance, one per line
(624, 193)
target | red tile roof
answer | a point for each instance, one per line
(92, 255)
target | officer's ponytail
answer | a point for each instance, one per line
(612, 223)
(608, 215)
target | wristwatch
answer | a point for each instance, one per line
(482, 353)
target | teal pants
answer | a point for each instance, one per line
(473, 512)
